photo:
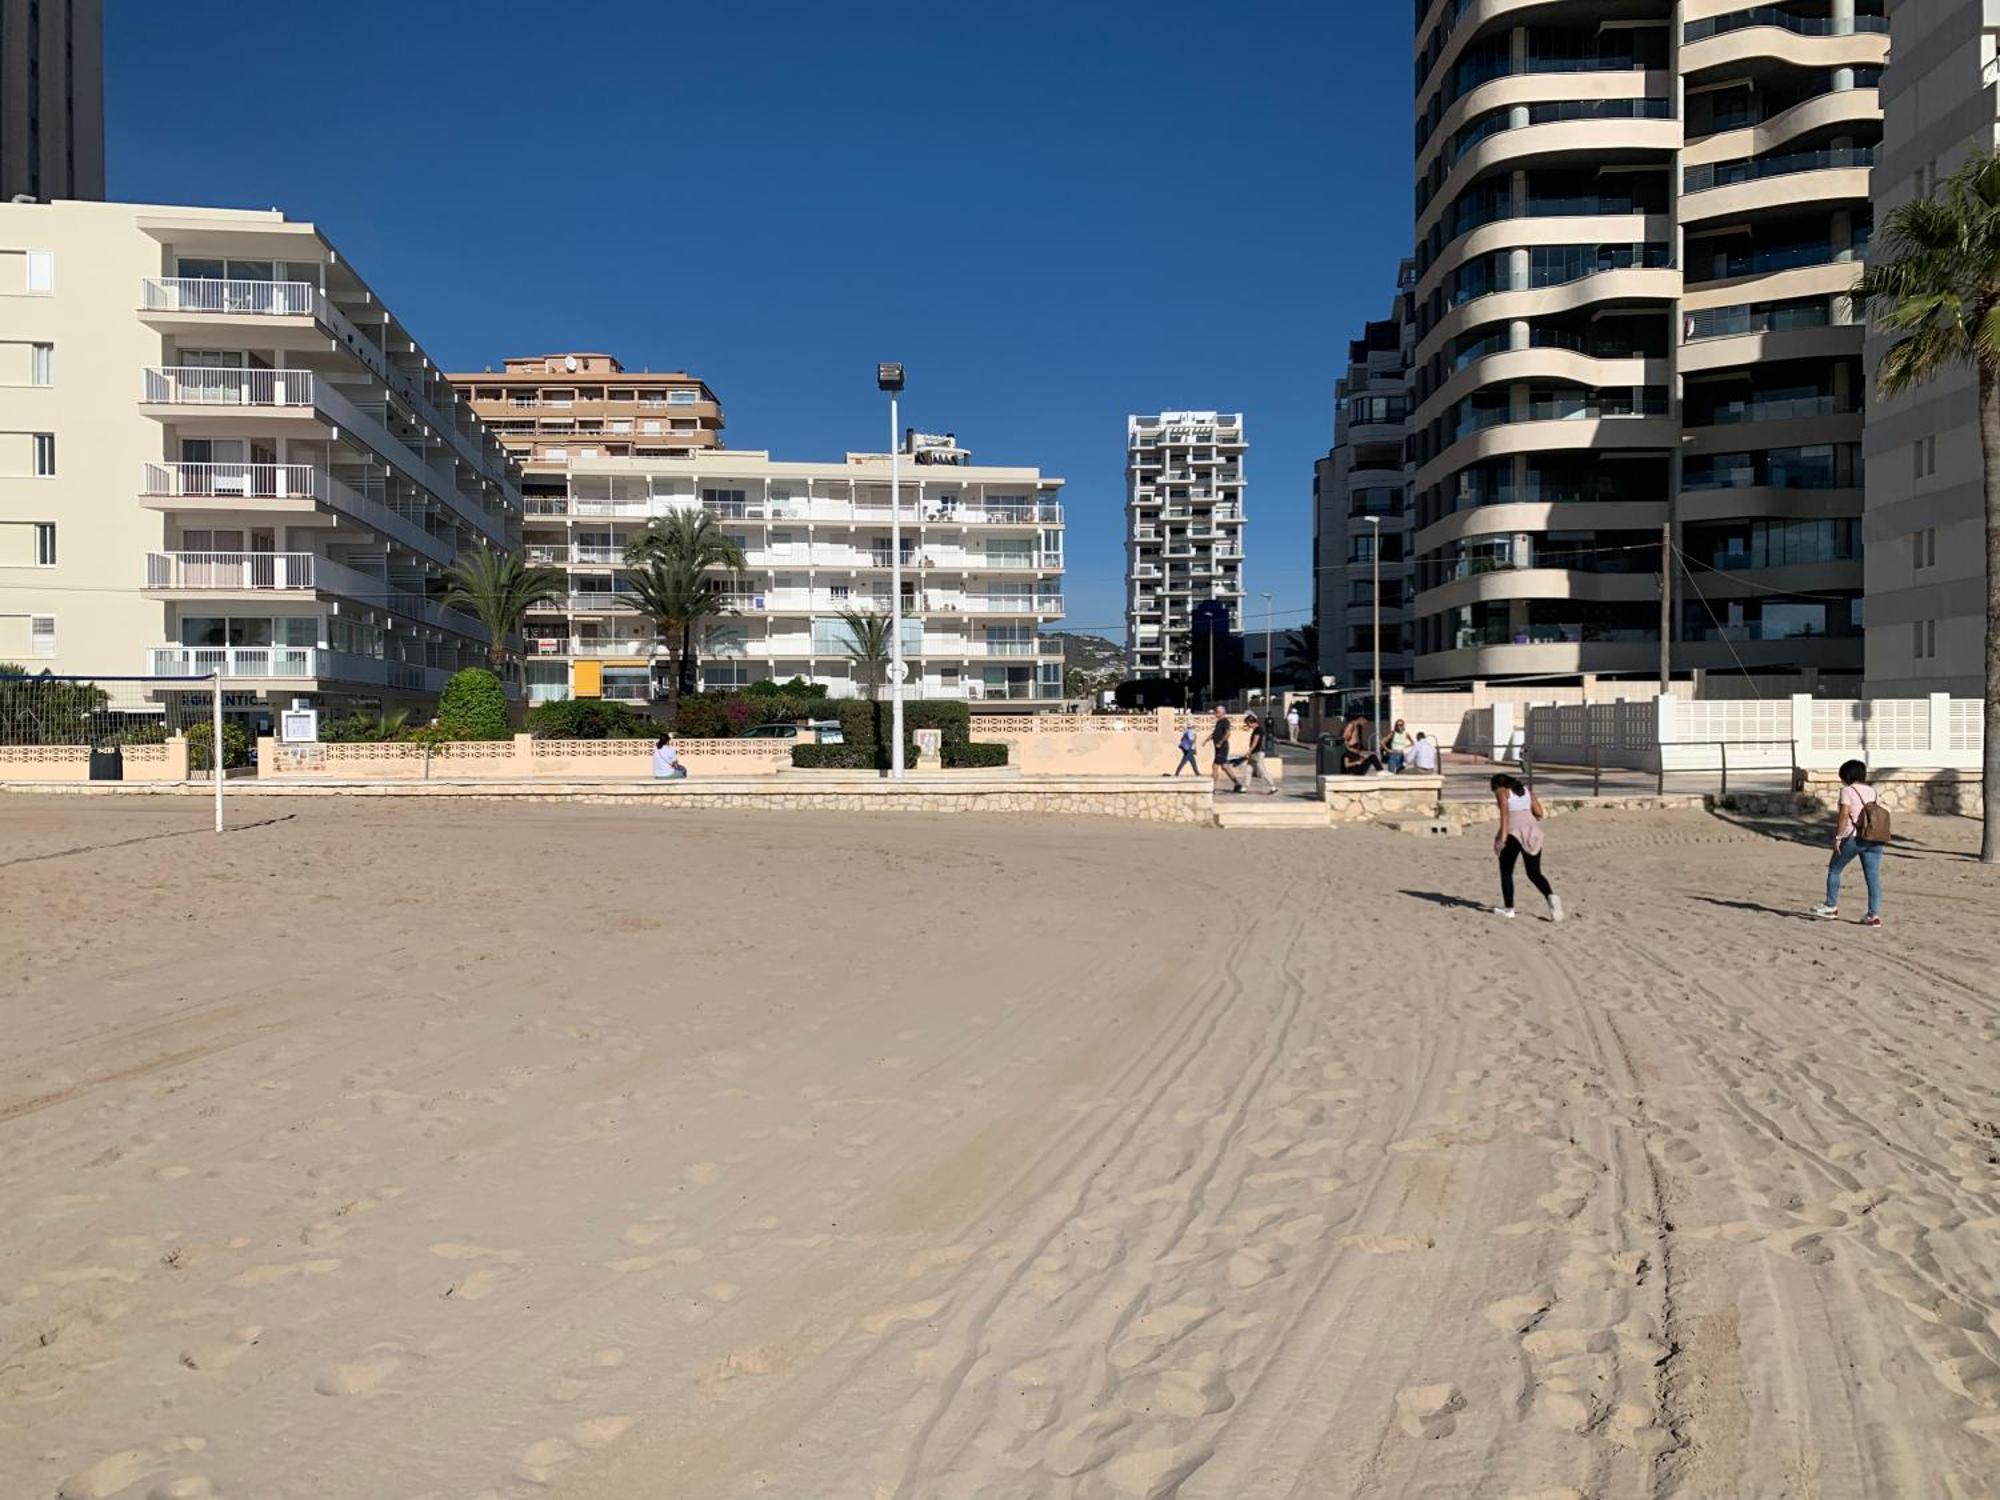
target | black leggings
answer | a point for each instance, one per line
(1511, 853)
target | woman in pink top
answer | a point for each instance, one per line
(1848, 845)
(1520, 837)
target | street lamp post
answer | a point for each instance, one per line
(1267, 653)
(890, 379)
(1375, 592)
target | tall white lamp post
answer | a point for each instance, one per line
(1376, 592)
(1267, 656)
(890, 379)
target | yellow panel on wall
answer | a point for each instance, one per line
(587, 679)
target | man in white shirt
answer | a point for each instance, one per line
(1424, 755)
(666, 760)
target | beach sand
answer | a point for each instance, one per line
(403, 1151)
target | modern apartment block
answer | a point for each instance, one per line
(219, 452)
(1184, 538)
(551, 409)
(982, 564)
(51, 99)
(1926, 521)
(1635, 223)
(1362, 516)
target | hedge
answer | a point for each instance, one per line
(836, 757)
(966, 757)
(721, 716)
(235, 745)
(865, 723)
(865, 751)
(588, 719)
(473, 706)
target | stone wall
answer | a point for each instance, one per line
(1941, 793)
(1378, 799)
(68, 763)
(519, 758)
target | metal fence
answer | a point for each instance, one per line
(64, 729)
(1705, 764)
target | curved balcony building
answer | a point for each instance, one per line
(1635, 219)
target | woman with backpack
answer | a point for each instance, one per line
(1861, 832)
(1520, 837)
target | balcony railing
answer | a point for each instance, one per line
(191, 294)
(291, 662)
(206, 385)
(231, 571)
(251, 481)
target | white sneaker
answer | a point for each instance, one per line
(1556, 913)
(1504, 911)
(1826, 913)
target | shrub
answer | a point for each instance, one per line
(798, 688)
(587, 719)
(864, 723)
(473, 706)
(714, 716)
(835, 758)
(201, 739)
(970, 755)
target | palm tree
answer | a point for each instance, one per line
(1933, 286)
(870, 642)
(677, 600)
(1300, 658)
(500, 589)
(688, 544)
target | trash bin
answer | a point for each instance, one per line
(1327, 760)
(107, 763)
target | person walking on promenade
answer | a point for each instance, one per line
(1218, 740)
(1292, 723)
(1861, 831)
(1259, 748)
(1424, 755)
(1187, 761)
(666, 760)
(1356, 758)
(1519, 838)
(1396, 749)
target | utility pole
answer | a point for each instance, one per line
(1376, 589)
(889, 378)
(1267, 655)
(1667, 607)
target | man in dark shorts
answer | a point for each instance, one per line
(1218, 739)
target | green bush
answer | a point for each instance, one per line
(865, 723)
(364, 728)
(201, 740)
(798, 689)
(835, 758)
(721, 716)
(588, 719)
(965, 757)
(473, 706)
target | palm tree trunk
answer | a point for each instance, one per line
(684, 676)
(1989, 449)
(673, 687)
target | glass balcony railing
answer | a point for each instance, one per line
(1757, 168)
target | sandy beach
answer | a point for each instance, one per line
(394, 1151)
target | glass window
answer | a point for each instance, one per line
(204, 630)
(42, 635)
(45, 454)
(42, 364)
(45, 544)
(682, 398)
(41, 272)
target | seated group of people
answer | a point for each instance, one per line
(1398, 752)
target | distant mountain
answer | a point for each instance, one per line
(1101, 662)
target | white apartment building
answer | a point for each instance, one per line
(982, 560)
(1184, 536)
(1925, 521)
(220, 453)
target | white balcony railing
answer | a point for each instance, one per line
(230, 571)
(192, 294)
(206, 385)
(239, 661)
(251, 481)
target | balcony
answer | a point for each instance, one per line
(293, 664)
(249, 486)
(189, 294)
(237, 572)
(205, 385)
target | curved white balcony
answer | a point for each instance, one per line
(1534, 516)
(1554, 141)
(1817, 115)
(1554, 435)
(1617, 284)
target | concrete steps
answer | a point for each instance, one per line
(1257, 810)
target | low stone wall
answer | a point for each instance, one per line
(1149, 799)
(517, 758)
(67, 763)
(1378, 799)
(1142, 744)
(1938, 793)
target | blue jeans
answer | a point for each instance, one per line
(1188, 763)
(1871, 870)
(1396, 759)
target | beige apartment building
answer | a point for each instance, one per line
(1926, 491)
(552, 409)
(982, 566)
(1635, 224)
(1184, 532)
(219, 452)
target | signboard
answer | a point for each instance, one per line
(299, 726)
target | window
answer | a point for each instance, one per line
(1924, 634)
(1923, 547)
(41, 273)
(41, 364)
(45, 544)
(45, 455)
(42, 635)
(1923, 454)
(682, 398)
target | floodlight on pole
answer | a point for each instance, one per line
(889, 378)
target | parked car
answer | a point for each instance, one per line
(821, 731)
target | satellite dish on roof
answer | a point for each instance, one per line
(569, 362)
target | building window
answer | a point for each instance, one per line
(42, 635)
(45, 455)
(41, 272)
(1923, 454)
(1925, 635)
(682, 398)
(45, 544)
(41, 364)
(1923, 546)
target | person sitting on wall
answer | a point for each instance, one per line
(1424, 755)
(1357, 757)
(667, 761)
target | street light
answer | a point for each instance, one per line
(1375, 553)
(890, 378)
(1267, 653)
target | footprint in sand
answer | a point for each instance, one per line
(266, 1275)
(107, 1476)
(1428, 1411)
(219, 1356)
(189, 1487)
(363, 1376)
(476, 1287)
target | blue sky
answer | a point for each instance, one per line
(1055, 212)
